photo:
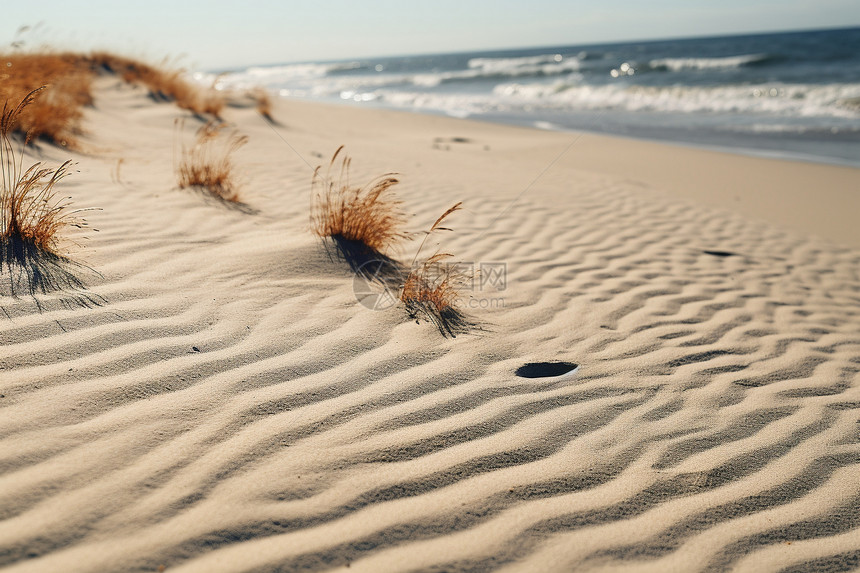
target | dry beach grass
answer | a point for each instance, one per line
(208, 164)
(67, 78)
(33, 218)
(432, 288)
(55, 115)
(365, 222)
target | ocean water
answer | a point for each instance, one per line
(794, 94)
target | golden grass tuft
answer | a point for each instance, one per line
(263, 101)
(163, 84)
(364, 222)
(28, 209)
(32, 217)
(432, 291)
(208, 164)
(432, 288)
(67, 82)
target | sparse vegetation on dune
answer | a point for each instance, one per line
(432, 291)
(432, 288)
(32, 219)
(163, 84)
(67, 80)
(264, 104)
(364, 222)
(208, 164)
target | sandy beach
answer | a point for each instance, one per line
(225, 403)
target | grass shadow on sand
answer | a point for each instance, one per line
(365, 261)
(450, 320)
(229, 204)
(27, 270)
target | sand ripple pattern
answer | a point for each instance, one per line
(231, 408)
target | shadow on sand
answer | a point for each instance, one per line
(25, 269)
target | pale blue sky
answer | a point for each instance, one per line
(219, 34)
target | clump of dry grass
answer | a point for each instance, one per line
(55, 115)
(364, 221)
(431, 290)
(28, 211)
(264, 104)
(208, 164)
(163, 84)
(32, 218)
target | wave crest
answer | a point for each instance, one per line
(682, 64)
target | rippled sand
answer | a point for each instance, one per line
(231, 407)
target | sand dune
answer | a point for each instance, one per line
(231, 407)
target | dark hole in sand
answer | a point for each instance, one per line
(719, 253)
(452, 140)
(545, 369)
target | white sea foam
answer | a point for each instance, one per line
(277, 76)
(457, 105)
(567, 93)
(789, 99)
(548, 125)
(545, 65)
(323, 79)
(794, 102)
(489, 68)
(680, 64)
(513, 62)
